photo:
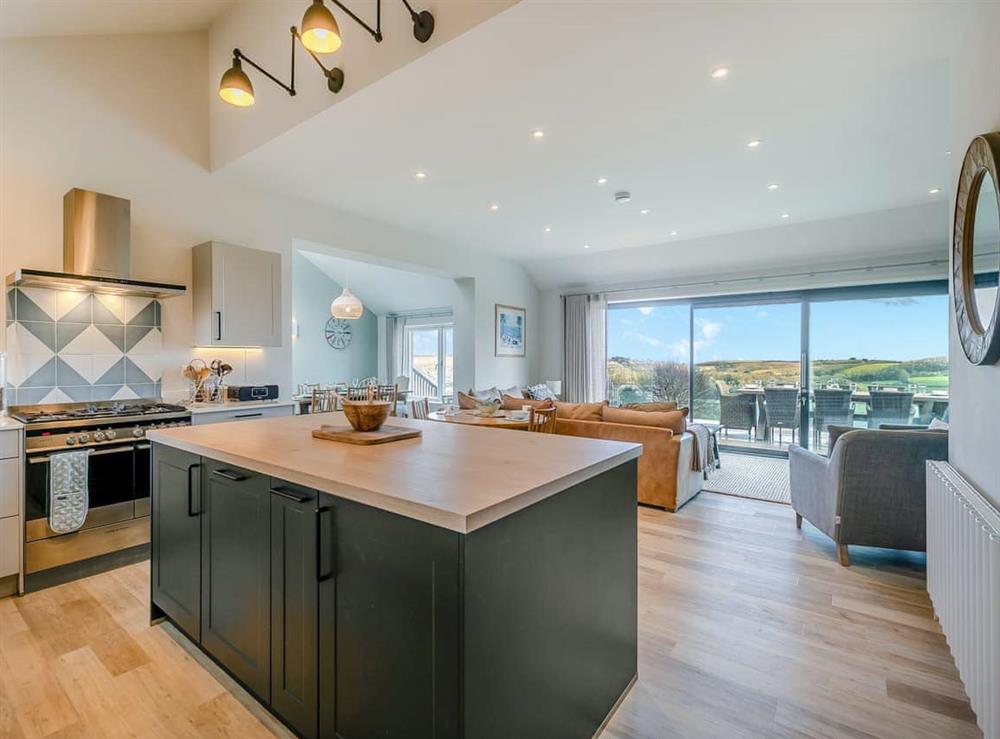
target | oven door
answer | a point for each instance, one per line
(110, 489)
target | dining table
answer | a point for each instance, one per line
(501, 420)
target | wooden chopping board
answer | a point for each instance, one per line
(383, 435)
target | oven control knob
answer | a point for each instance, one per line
(138, 431)
(70, 440)
(110, 434)
(98, 436)
(84, 438)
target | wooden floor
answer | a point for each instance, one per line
(748, 628)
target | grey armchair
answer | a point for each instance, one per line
(870, 491)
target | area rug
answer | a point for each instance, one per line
(751, 476)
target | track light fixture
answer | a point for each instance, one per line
(320, 35)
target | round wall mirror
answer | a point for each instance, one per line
(976, 251)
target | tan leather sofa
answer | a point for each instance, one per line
(665, 476)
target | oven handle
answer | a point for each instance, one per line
(44, 458)
(142, 447)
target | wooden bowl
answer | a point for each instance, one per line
(367, 415)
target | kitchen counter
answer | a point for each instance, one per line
(9, 424)
(199, 408)
(455, 477)
(466, 583)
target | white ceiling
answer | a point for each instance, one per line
(105, 17)
(850, 100)
(386, 289)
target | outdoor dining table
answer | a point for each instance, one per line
(929, 401)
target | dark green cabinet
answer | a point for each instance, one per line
(175, 537)
(236, 573)
(295, 527)
(352, 622)
(388, 620)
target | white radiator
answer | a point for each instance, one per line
(963, 579)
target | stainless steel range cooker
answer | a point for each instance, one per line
(116, 529)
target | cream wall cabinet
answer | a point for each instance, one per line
(236, 296)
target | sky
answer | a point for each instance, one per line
(886, 328)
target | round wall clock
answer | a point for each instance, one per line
(338, 333)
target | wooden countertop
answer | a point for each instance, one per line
(454, 476)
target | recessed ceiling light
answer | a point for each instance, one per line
(948, 153)
(494, 207)
(420, 175)
(537, 133)
(785, 216)
(673, 233)
(720, 73)
(644, 211)
(548, 229)
(586, 246)
(753, 143)
(773, 186)
(602, 180)
(934, 190)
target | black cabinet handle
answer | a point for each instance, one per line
(291, 495)
(248, 415)
(324, 533)
(227, 475)
(191, 510)
(218, 325)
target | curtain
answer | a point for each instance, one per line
(584, 348)
(396, 350)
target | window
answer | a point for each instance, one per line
(430, 357)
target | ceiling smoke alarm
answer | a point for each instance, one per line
(623, 196)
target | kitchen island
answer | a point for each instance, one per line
(461, 584)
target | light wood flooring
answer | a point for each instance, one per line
(747, 628)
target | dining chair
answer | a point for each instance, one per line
(356, 392)
(420, 409)
(542, 420)
(737, 412)
(388, 393)
(782, 411)
(323, 400)
(831, 407)
(889, 406)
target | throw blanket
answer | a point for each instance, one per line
(703, 458)
(68, 495)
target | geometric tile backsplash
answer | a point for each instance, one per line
(65, 346)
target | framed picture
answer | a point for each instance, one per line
(510, 331)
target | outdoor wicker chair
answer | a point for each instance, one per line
(782, 411)
(889, 406)
(832, 408)
(736, 411)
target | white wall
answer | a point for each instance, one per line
(313, 359)
(261, 31)
(128, 116)
(975, 391)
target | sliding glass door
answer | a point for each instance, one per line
(649, 353)
(747, 371)
(876, 361)
(776, 369)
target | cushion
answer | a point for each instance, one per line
(490, 393)
(673, 420)
(651, 406)
(580, 411)
(541, 392)
(512, 403)
(937, 424)
(513, 391)
(466, 402)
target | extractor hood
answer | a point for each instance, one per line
(97, 249)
